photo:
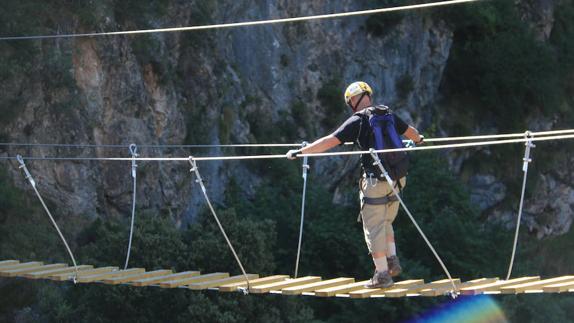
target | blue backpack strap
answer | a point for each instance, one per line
(382, 122)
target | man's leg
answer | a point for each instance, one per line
(391, 246)
(392, 259)
(374, 227)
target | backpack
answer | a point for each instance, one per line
(382, 122)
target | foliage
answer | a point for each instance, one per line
(497, 66)
(405, 85)
(139, 12)
(264, 230)
(331, 104)
(497, 61)
(380, 25)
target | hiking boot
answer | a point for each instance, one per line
(394, 266)
(381, 279)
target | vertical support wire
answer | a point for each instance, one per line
(305, 170)
(199, 180)
(134, 152)
(396, 193)
(33, 183)
(526, 160)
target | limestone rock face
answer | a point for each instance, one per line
(204, 88)
(273, 83)
(486, 191)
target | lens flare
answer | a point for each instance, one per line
(465, 309)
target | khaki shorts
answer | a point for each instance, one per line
(378, 219)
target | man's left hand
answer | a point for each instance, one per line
(292, 154)
(421, 140)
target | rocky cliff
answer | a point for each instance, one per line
(277, 83)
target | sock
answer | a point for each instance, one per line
(381, 264)
(392, 249)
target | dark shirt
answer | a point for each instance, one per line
(356, 129)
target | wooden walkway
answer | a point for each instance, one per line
(280, 284)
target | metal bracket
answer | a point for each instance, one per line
(243, 290)
(194, 169)
(26, 172)
(134, 152)
(305, 162)
(528, 136)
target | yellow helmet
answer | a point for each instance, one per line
(357, 88)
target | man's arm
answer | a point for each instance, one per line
(318, 146)
(413, 135)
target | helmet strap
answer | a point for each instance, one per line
(354, 108)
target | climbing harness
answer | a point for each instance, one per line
(134, 152)
(526, 160)
(378, 163)
(305, 170)
(372, 181)
(379, 200)
(194, 169)
(33, 183)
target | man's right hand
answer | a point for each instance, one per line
(292, 154)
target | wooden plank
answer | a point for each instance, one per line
(480, 289)
(266, 288)
(159, 279)
(5, 263)
(47, 273)
(559, 288)
(447, 289)
(219, 282)
(111, 274)
(253, 282)
(133, 277)
(192, 280)
(297, 290)
(367, 292)
(21, 265)
(13, 271)
(536, 285)
(88, 272)
(415, 289)
(21, 272)
(342, 289)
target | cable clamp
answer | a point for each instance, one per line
(453, 294)
(529, 145)
(25, 169)
(244, 290)
(193, 164)
(305, 161)
(134, 152)
(529, 136)
(194, 169)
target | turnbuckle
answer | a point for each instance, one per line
(26, 172)
(134, 152)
